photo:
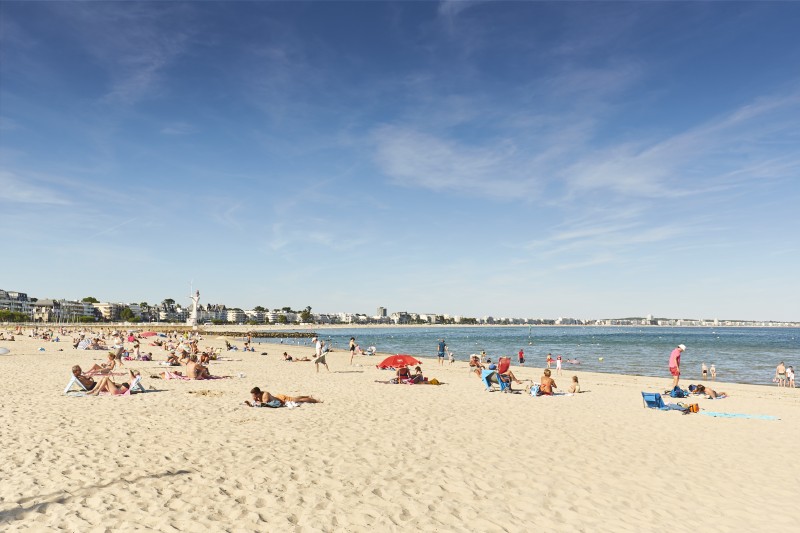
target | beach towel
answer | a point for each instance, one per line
(738, 415)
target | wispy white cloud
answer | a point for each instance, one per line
(178, 128)
(17, 189)
(133, 42)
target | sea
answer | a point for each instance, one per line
(740, 355)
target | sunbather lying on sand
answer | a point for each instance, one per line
(711, 394)
(107, 385)
(263, 397)
(287, 357)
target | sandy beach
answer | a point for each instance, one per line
(189, 456)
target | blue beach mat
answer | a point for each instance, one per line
(738, 415)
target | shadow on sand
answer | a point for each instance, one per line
(43, 501)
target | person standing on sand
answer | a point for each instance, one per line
(675, 364)
(442, 348)
(320, 356)
(352, 349)
(780, 374)
(558, 364)
(549, 360)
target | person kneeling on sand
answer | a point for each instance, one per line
(575, 387)
(265, 399)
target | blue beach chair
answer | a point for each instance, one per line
(653, 400)
(491, 377)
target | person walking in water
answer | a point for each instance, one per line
(675, 364)
(521, 356)
(704, 370)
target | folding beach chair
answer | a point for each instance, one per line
(74, 381)
(491, 377)
(136, 385)
(653, 400)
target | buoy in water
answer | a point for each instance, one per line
(599, 358)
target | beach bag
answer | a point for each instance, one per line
(677, 393)
(535, 390)
(694, 408)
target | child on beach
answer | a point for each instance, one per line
(452, 357)
(713, 371)
(549, 359)
(790, 377)
(558, 365)
(575, 387)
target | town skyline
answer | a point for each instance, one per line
(170, 310)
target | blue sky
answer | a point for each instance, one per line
(512, 159)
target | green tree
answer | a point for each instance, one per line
(259, 309)
(126, 315)
(90, 300)
(286, 309)
(306, 315)
(282, 319)
(168, 301)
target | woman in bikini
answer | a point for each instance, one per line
(104, 368)
(106, 385)
(260, 398)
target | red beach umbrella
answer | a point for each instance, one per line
(395, 361)
(148, 334)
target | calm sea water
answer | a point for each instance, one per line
(742, 355)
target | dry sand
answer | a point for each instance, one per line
(377, 457)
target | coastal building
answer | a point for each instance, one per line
(109, 311)
(17, 302)
(48, 310)
(236, 316)
(382, 312)
(254, 316)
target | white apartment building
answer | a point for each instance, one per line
(236, 316)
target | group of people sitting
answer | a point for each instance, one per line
(404, 375)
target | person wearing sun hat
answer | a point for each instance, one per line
(675, 364)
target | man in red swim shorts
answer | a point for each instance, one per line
(675, 364)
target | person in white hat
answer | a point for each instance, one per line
(675, 364)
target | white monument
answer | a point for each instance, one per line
(192, 320)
